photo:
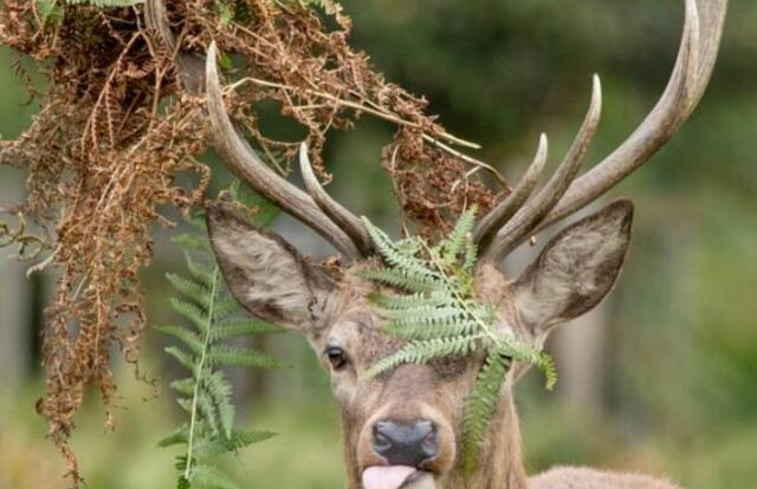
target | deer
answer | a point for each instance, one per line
(401, 430)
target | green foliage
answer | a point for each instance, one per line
(214, 319)
(438, 315)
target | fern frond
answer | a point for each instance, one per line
(179, 436)
(239, 439)
(207, 411)
(215, 318)
(402, 302)
(182, 357)
(393, 255)
(236, 327)
(470, 256)
(459, 238)
(421, 331)
(218, 387)
(207, 476)
(424, 351)
(195, 291)
(184, 386)
(187, 337)
(186, 404)
(400, 279)
(480, 405)
(227, 307)
(201, 273)
(439, 316)
(429, 316)
(193, 313)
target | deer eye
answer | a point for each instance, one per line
(337, 357)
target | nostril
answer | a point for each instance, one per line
(429, 444)
(381, 442)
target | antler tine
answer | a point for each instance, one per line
(339, 214)
(530, 215)
(488, 226)
(242, 160)
(702, 32)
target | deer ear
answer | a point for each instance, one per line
(577, 268)
(265, 273)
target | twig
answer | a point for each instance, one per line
(361, 107)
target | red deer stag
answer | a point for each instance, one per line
(402, 429)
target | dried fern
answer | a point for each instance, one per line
(52, 10)
(439, 316)
(213, 319)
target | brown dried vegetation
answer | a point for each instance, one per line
(116, 129)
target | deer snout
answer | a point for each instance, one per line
(410, 444)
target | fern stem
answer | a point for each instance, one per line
(198, 373)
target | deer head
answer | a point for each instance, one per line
(402, 429)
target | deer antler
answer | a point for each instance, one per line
(533, 212)
(336, 211)
(702, 31)
(242, 160)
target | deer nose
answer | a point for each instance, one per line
(409, 444)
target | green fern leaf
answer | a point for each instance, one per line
(238, 440)
(208, 411)
(394, 255)
(227, 307)
(219, 389)
(402, 302)
(184, 386)
(202, 273)
(459, 238)
(237, 327)
(186, 404)
(480, 405)
(193, 313)
(207, 476)
(400, 279)
(423, 331)
(424, 351)
(215, 317)
(183, 358)
(187, 337)
(176, 438)
(195, 291)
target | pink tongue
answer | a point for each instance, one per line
(386, 477)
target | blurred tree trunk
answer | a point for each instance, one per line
(15, 335)
(579, 349)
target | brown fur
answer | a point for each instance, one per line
(574, 272)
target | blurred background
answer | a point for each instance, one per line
(662, 378)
